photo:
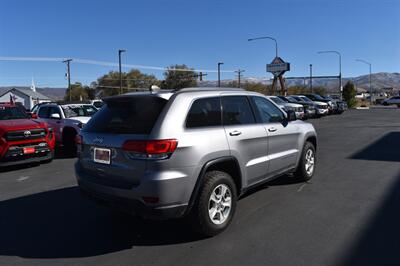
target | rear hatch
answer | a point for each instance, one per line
(102, 157)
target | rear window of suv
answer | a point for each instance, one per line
(130, 115)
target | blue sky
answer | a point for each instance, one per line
(197, 33)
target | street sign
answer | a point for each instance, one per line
(278, 67)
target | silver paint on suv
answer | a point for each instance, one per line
(168, 154)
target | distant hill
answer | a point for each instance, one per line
(53, 93)
(378, 80)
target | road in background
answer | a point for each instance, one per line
(347, 214)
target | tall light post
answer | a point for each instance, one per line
(311, 88)
(120, 51)
(340, 68)
(267, 37)
(370, 72)
(68, 61)
(219, 73)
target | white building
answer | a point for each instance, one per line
(26, 96)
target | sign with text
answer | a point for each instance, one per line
(278, 66)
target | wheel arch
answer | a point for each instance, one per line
(228, 164)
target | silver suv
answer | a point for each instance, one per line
(193, 152)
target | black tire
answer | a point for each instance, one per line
(301, 172)
(49, 160)
(69, 145)
(200, 218)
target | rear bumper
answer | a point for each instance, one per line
(171, 194)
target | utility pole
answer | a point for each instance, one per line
(239, 73)
(67, 61)
(120, 71)
(219, 73)
(201, 74)
(311, 88)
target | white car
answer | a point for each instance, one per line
(392, 100)
(97, 103)
(66, 120)
(321, 107)
(297, 108)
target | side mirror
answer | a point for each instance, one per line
(291, 115)
(34, 116)
(55, 116)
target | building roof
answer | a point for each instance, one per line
(26, 91)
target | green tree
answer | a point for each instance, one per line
(79, 92)
(175, 79)
(349, 94)
(109, 85)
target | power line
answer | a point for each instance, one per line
(104, 63)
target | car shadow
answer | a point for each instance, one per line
(384, 149)
(63, 224)
(284, 180)
(379, 241)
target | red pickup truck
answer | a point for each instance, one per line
(22, 138)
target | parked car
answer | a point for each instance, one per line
(393, 100)
(338, 104)
(97, 103)
(309, 108)
(332, 107)
(67, 120)
(23, 139)
(297, 108)
(322, 108)
(192, 152)
(342, 104)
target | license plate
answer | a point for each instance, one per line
(102, 155)
(29, 150)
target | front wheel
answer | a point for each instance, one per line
(306, 168)
(216, 204)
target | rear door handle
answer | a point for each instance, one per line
(272, 129)
(235, 133)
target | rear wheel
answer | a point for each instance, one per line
(69, 141)
(306, 167)
(216, 204)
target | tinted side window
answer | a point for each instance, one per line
(237, 111)
(204, 112)
(54, 110)
(43, 112)
(268, 112)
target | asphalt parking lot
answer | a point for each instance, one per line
(347, 215)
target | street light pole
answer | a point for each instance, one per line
(267, 37)
(311, 88)
(67, 61)
(340, 68)
(370, 77)
(120, 51)
(219, 73)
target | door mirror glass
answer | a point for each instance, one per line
(291, 115)
(55, 116)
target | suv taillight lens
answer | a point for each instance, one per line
(150, 149)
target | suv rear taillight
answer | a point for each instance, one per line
(150, 149)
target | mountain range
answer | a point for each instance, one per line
(378, 81)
